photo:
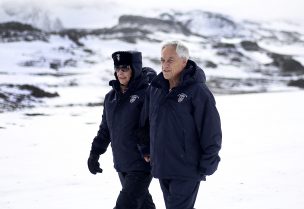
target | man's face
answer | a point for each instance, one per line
(172, 64)
(124, 74)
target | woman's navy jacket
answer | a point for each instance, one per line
(185, 127)
(120, 122)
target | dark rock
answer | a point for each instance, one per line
(116, 30)
(30, 63)
(236, 59)
(15, 102)
(3, 96)
(37, 92)
(210, 64)
(224, 85)
(73, 83)
(28, 98)
(91, 104)
(57, 74)
(291, 65)
(151, 24)
(124, 33)
(55, 64)
(15, 31)
(130, 28)
(290, 36)
(74, 35)
(36, 114)
(287, 64)
(89, 51)
(129, 39)
(70, 63)
(230, 53)
(250, 46)
(221, 21)
(224, 45)
(297, 83)
(17, 26)
(89, 62)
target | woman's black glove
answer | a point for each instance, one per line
(93, 164)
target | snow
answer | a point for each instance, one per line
(43, 158)
(261, 57)
(291, 49)
(53, 14)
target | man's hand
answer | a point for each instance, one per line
(147, 158)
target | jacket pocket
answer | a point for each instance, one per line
(190, 149)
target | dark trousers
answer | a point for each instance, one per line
(179, 194)
(135, 193)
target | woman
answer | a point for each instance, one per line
(122, 107)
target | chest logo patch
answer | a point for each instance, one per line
(133, 98)
(181, 97)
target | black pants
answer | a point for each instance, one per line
(135, 193)
(179, 194)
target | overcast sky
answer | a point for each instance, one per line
(252, 9)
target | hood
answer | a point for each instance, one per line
(192, 73)
(149, 73)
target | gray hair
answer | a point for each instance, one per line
(181, 49)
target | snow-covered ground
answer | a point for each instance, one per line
(43, 158)
(43, 150)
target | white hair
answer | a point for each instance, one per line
(181, 49)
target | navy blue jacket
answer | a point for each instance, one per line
(120, 121)
(185, 128)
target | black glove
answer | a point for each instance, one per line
(93, 163)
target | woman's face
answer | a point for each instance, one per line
(124, 74)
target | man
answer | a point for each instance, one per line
(185, 129)
(120, 122)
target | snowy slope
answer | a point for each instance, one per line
(43, 158)
(237, 56)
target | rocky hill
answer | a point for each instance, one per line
(238, 57)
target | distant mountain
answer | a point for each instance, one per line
(31, 14)
(238, 56)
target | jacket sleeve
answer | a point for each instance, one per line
(102, 140)
(208, 124)
(143, 132)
